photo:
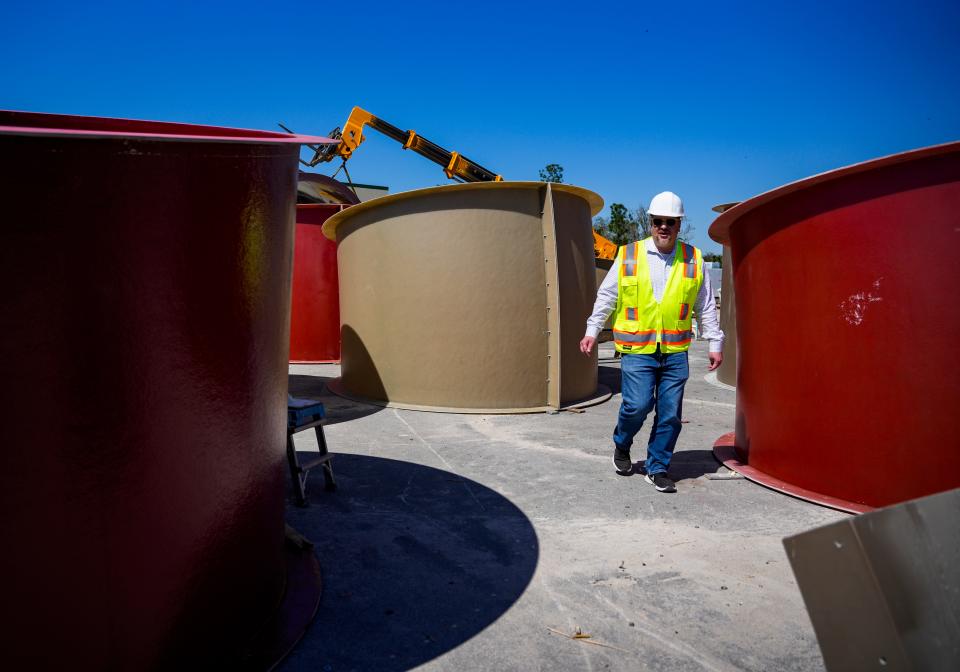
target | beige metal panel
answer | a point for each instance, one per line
(883, 588)
(444, 296)
(727, 373)
(577, 291)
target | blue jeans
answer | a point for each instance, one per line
(647, 382)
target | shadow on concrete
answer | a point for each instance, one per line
(610, 376)
(365, 379)
(415, 562)
(339, 409)
(689, 464)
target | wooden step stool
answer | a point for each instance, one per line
(305, 414)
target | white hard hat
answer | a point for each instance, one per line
(666, 204)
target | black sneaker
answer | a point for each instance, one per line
(660, 482)
(621, 460)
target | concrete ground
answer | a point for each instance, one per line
(482, 542)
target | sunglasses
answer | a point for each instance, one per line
(657, 221)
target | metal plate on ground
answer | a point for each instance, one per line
(883, 588)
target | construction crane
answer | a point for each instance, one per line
(455, 165)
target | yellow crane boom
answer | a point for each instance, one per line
(455, 165)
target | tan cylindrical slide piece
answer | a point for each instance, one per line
(468, 297)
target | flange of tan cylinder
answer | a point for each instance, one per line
(846, 390)
(468, 297)
(144, 335)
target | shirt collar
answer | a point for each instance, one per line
(652, 247)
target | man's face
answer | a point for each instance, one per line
(664, 231)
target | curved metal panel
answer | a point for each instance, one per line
(434, 282)
(577, 291)
(844, 311)
(883, 589)
(323, 189)
(144, 337)
(315, 304)
(727, 373)
(73, 126)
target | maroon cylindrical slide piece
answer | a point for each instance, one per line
(845, 282)
(144, 337)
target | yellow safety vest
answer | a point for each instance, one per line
(641, 323)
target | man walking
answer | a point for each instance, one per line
(655, 285)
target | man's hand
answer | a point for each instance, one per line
(586, 345)
(716, 359)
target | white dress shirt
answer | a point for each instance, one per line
(660, 264)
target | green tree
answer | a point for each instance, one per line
(620, 227)
(643, 222)
(624, 226)
(553, 172)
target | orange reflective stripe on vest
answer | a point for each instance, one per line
(689, 261)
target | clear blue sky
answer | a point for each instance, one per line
(718, 101)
